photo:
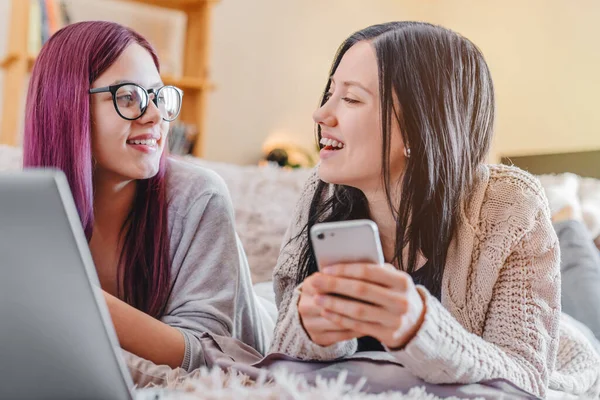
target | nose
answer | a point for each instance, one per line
(152, 114)
(324, 116)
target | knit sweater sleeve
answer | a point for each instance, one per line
(290, 337)
(519, 338)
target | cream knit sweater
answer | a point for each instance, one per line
(499, 315)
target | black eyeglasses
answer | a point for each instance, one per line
(131, 100)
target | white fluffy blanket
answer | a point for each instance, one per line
(581, 194)
(215, 384)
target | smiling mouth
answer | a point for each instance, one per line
(331, 144)
(145, 142)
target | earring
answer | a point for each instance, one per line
(406, 152)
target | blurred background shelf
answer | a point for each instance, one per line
(194, 81)
(175, 4)
(185, 83)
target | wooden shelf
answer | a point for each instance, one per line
(175, 4)
(184, 82)
(188, 83)
(10, 59)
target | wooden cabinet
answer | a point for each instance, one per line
(17, 64)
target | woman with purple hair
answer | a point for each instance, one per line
(161, 232)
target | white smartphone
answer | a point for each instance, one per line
(355, 241)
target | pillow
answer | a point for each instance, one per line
(264, 199)
(581, 194)
(589, 193)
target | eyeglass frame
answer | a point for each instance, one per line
(112, 89)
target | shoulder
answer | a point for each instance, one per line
(516, 181)
(188, 183)
(514, 213)
(512, 194)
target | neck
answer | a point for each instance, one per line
(113, 199)
(381, 213)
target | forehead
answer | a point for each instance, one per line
(359, 64)
(135, 64)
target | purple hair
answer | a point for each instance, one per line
(58, 134)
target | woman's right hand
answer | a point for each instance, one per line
(320, 330)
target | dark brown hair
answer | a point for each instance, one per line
(445, 112)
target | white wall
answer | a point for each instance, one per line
(544, 57)
(270, 60)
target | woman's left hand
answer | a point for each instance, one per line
(384, 302)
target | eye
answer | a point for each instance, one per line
(125, 98)
(327, 96)
(349, 100)
(129, 96)
(128, 99)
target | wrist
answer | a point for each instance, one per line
(421, 318)
(403, 340)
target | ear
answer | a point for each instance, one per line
(406, 152)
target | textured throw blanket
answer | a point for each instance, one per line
(238, 372)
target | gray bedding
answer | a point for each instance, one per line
(378, 370)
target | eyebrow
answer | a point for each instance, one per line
(154, 85)
(353, 83)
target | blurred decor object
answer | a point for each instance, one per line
(181, 138)
(280, 150)
(46, 17)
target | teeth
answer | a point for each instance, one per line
(146, 142)
(332, 143)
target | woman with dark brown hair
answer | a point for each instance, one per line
(471, 288)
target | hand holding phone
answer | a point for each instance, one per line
(355, 294)
(336, 243)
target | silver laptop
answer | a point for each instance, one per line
(57, 340)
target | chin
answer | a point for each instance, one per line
(332, 175)
(357, 180)
(150, 174)
(145, 171)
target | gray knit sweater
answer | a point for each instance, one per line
(211, 285)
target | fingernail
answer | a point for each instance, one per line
(328, 270)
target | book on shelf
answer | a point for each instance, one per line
(46, 17)
(181, 138)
